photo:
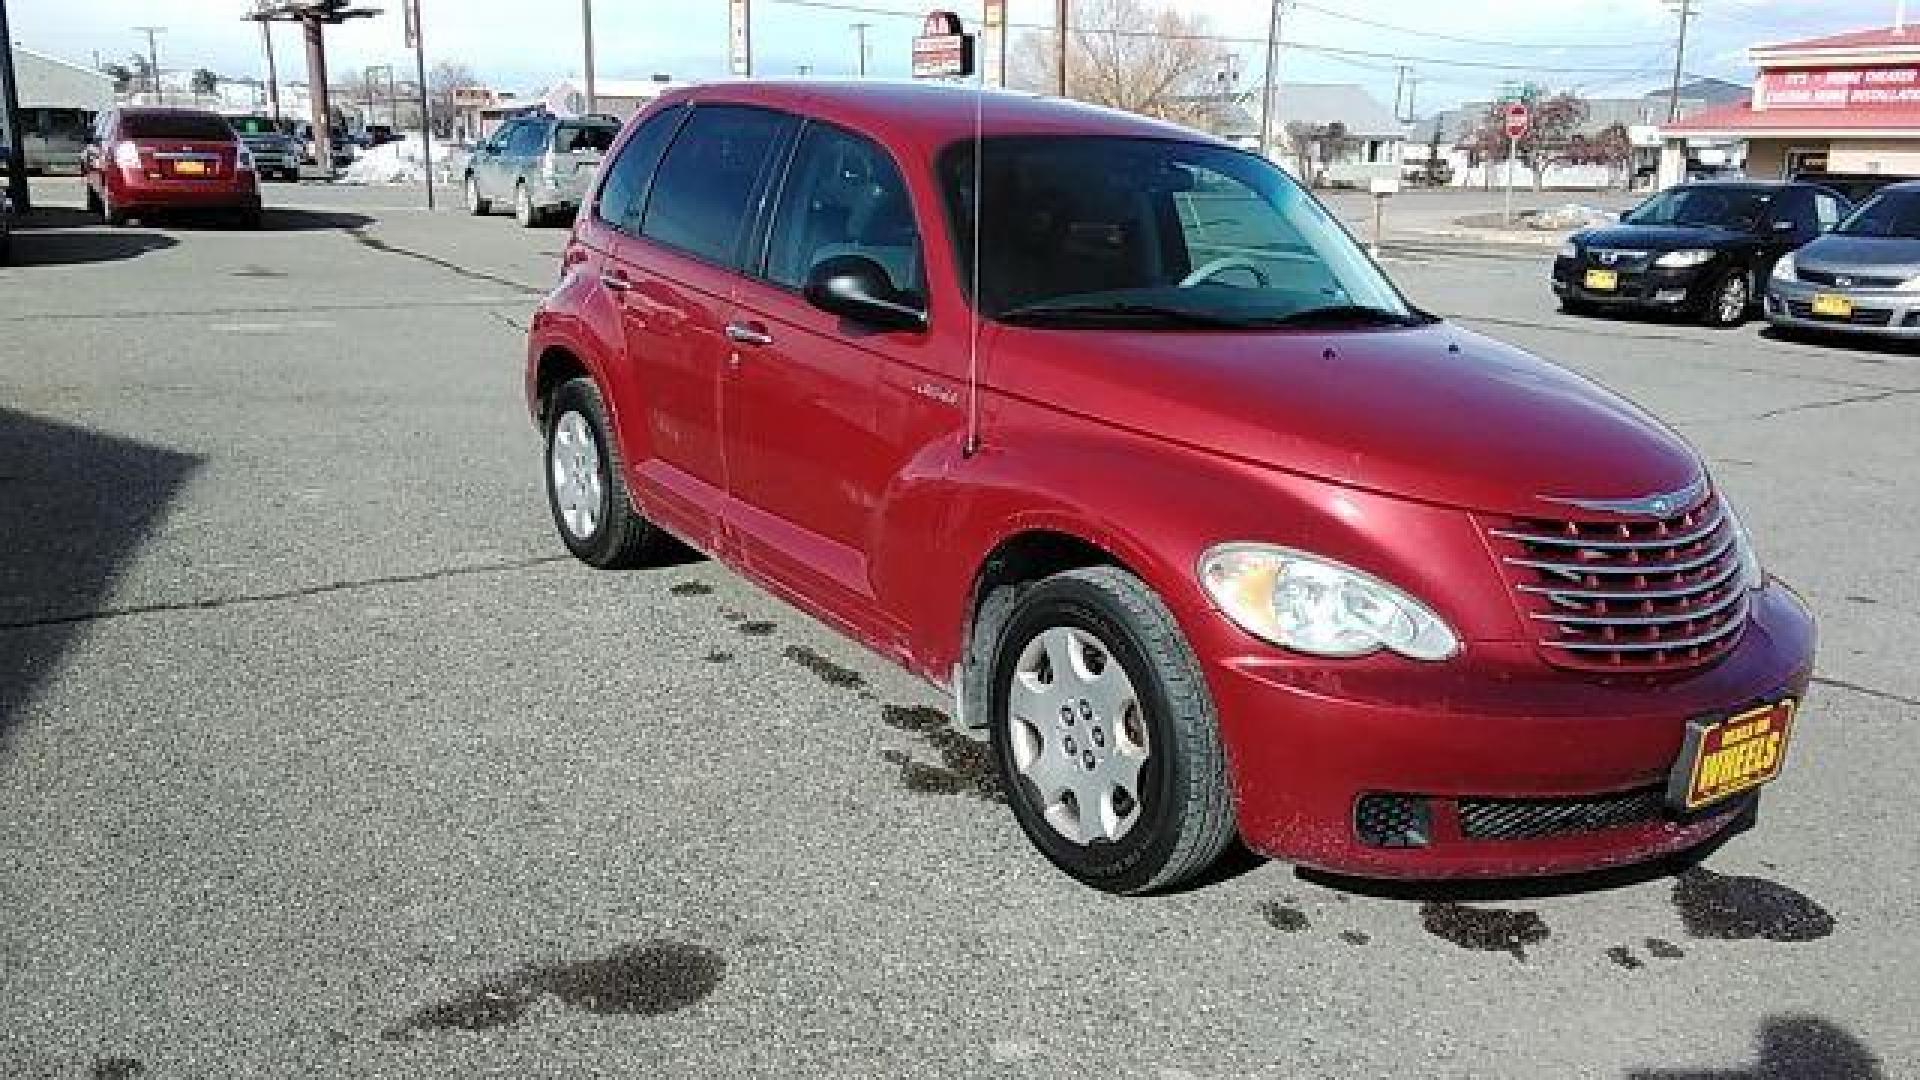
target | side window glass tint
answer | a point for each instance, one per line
(702, 197)
(530, 140)
(623, 196)
(1797, 206)
(844, 196)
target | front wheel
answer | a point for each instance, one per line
(586, 486)
(1105, 735)
(1727, 304)
(476, 205)
(527, 214)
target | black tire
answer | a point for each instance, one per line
(93, 200)
(1573, 305)
(1722, 308)
(1185, 803)
(249, 219)
(623, 539)
(476, 205)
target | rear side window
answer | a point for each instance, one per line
(623, 196)
(197, 127)
(584, 138)
(843, 196)
(702, 198)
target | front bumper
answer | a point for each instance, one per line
(1647, 288)
(1308, 742)
(1876, 312)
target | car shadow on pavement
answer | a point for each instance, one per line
(1865, 346)
(61, 236)
(1792, 1047)
(75, 508)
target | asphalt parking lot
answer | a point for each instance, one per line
(319, 758)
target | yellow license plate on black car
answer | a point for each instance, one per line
(1831, 306)
(1603, 280)
(190, 168)
(1724, 758)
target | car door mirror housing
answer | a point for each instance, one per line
(858, 288)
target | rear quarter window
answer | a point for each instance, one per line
(194, 127)
(584, 138)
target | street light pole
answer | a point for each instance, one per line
(586, 32)
(273, 74)
(16, 145)
(860, 33)
(1687, 12)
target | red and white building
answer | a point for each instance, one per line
(1843, 104)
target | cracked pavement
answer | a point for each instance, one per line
(317, 758)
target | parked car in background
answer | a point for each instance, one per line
(55, 139)
(6, 204)
(1856, 188)
(1111, 429)
(144, 160)
(1862, 278)
(276, 153)
(541, 165)
(1702, 249)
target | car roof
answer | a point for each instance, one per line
(934, 113)
(166, 110)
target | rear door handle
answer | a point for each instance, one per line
(742, 334)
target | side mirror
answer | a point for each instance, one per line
(855, 287)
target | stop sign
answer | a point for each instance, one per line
(1518, 121)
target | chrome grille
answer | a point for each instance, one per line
(1854, 281)
(1619, 258)
(1528, 819)
(1629, 594)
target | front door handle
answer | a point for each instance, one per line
(742, 334)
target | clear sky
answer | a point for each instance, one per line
(525, 44)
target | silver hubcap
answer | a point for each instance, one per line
(577, 485)
(1078, 734)
(473, 194)
(525, 204)
(1733, 300)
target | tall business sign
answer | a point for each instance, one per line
(993, 41)
(1866, 88)
(740, 38)
(944, 49)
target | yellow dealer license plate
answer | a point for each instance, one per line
(1832, 307)
(190, 168)
(1723, 758)
(1603, 280)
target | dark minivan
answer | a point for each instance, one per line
(1700, 249)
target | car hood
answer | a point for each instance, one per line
(1874, 256)
(1658, 237)
(1434, 413)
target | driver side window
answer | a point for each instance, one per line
(844, 196)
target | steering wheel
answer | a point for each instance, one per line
(1222, 265)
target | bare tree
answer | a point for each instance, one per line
(444, 84)
(1138, 55)
(1315, 146)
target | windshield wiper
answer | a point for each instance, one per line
(1046, 313)
(1352, 313)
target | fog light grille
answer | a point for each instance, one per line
(1527, 819)
(1393, 821)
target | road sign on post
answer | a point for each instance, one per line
(944, 50)
(1518, 122)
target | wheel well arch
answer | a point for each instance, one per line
(1017, 561)
(557, 366)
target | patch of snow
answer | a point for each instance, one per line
(398, 164)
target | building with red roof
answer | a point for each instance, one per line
(1848, 104)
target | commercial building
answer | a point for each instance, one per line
(1847, 104)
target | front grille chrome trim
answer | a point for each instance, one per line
(1665, 646)
(1651, 544)
(1553, 592)
(1667, 619)
(1629, 569)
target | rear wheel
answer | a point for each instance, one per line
(476, 205)
(586, 486)
(1105, 736)
(528, 215)
(1727, 304)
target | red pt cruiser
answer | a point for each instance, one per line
(1114, 432)
(145, 160)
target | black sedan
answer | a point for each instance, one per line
(1699, 249)
(1862, 278)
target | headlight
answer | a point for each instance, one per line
(1751, 572)
(1786, 269)
(1312, 605)
(1569, 250)
(1681, 260)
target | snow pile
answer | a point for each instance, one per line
(1571, 216)
(397, 163)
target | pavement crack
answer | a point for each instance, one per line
(252, 599)
(508, 321)
(1867, 691)
(1815, 406)
(368, 240)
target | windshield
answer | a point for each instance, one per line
(197, 127)
(1108, 230)
(1711, 207)
(252, 127)
(1891, 213)
(584, 138)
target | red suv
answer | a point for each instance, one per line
(145, 160)
(1113, 431)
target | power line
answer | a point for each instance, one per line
(1553, 46)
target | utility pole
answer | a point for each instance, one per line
(1413, 89)
(586, 32)
(16, 144)
(1269, 115)
(1687, 12)
(860, 31)
(418, 39)
(273, 73)
(153, 56)
(1061, 10)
